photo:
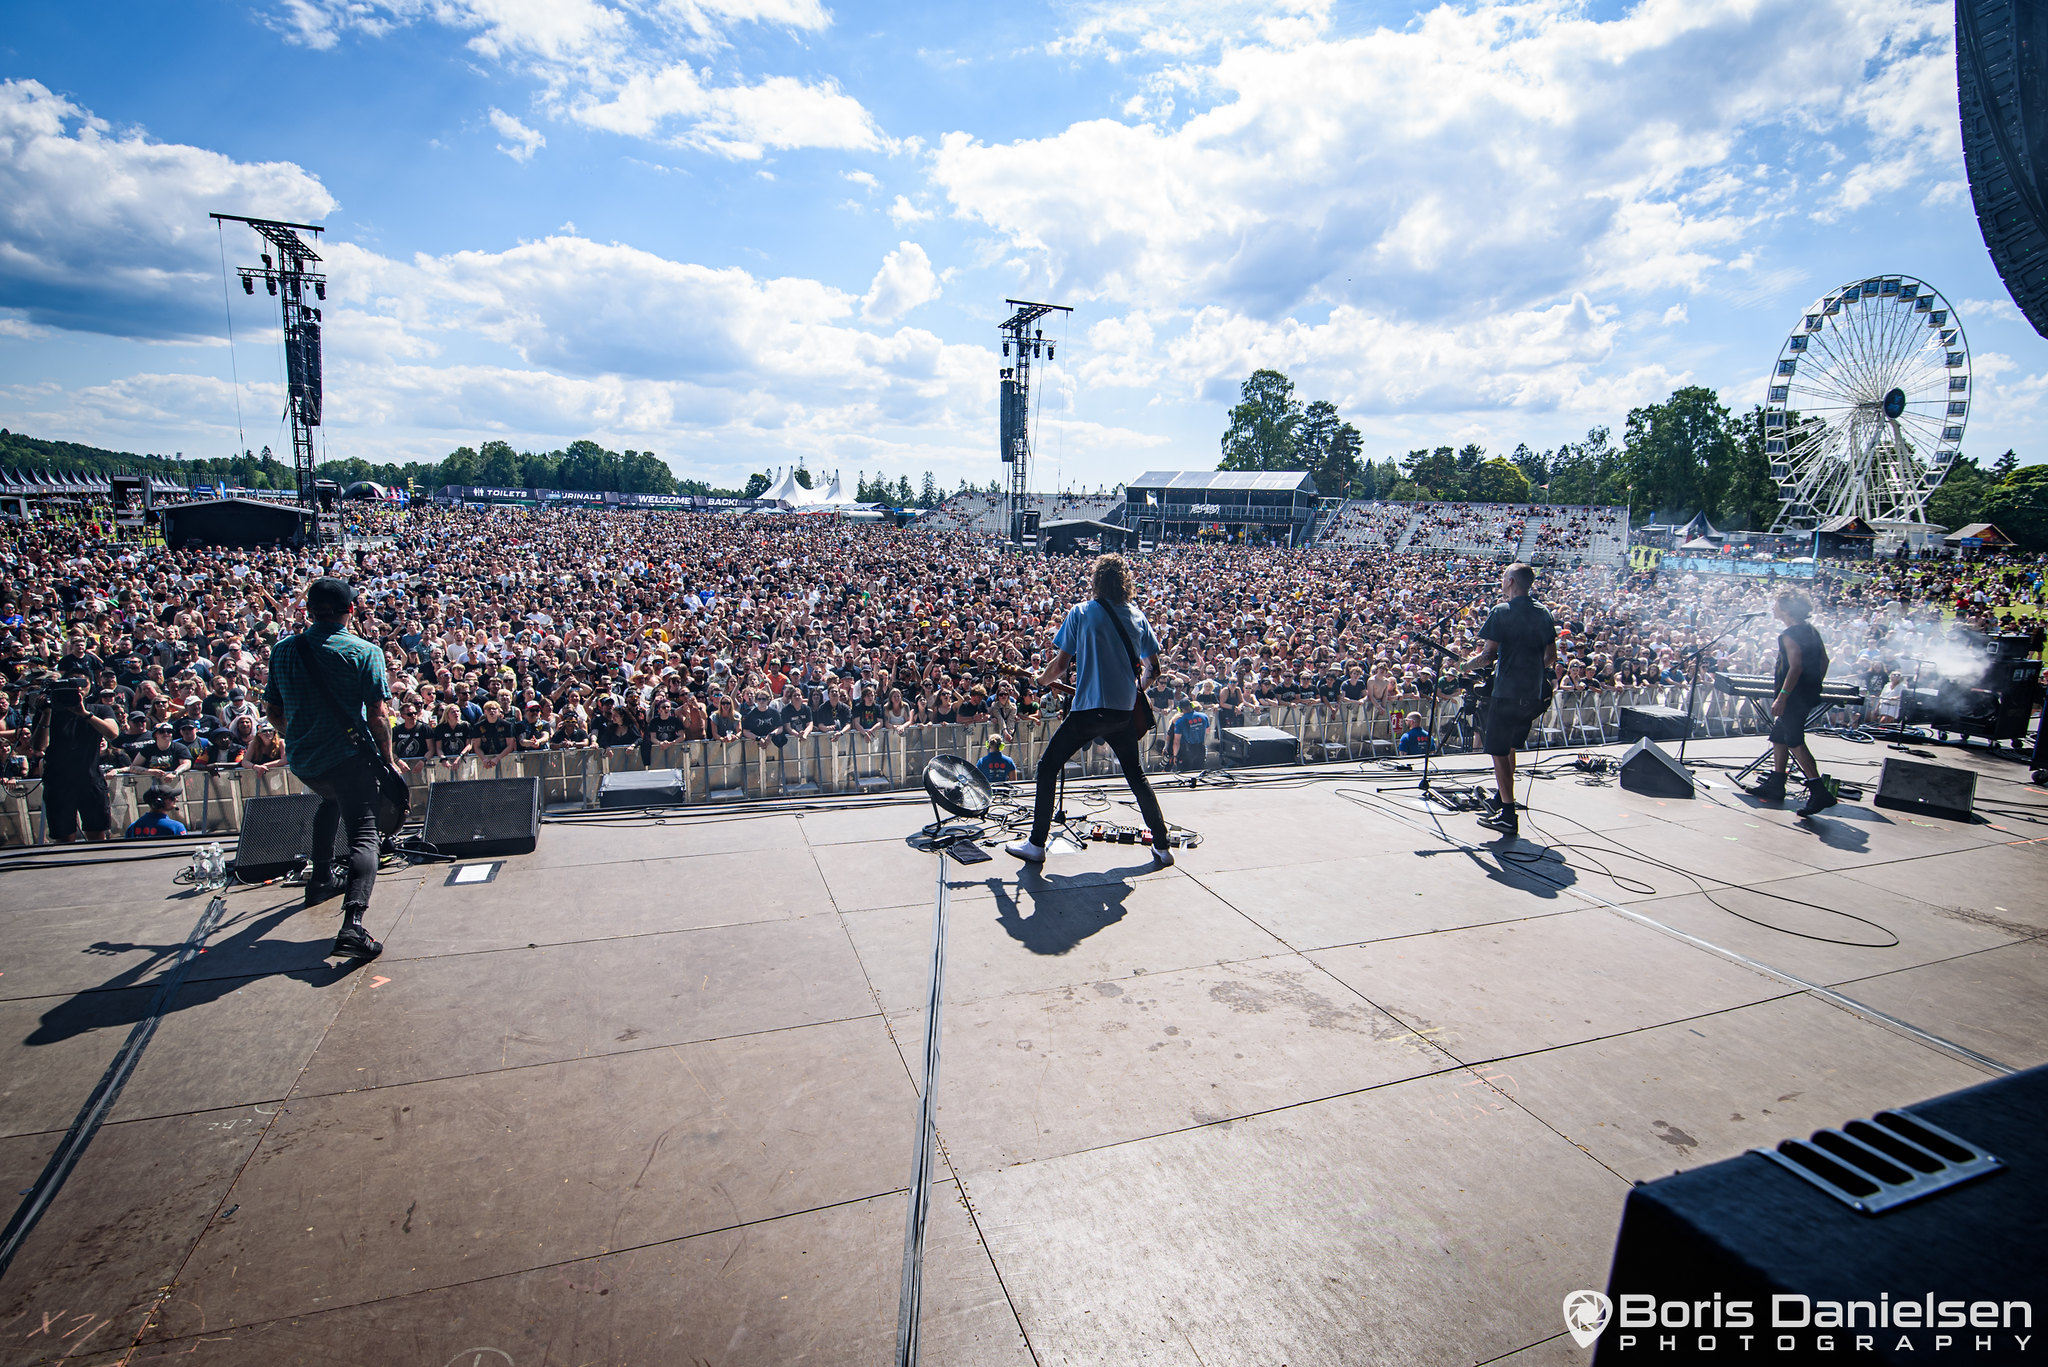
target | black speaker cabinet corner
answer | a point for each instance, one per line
(1257, 745)
(1745, 1230)
(484, 817)
(1906, 785)
(1648, 770)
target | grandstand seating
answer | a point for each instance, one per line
(1536, 532)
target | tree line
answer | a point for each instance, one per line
(582, 464)
(1687, 455)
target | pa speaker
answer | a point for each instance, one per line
(1907, 785)
(1654, 723)
(2002, 84)
(277, 832)
(483, 817)
(1256, 745)
(1647, 770)
(1751, 1228)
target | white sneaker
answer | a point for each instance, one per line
(1161, 858)
(1026, 851)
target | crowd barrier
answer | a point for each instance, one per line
(747, 768)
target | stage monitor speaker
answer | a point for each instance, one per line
(483, 817)
(1650, 722)
(1907, 785)
(277, 832)
(1257, 745)
(1749, 1228)
(649, 788)
(1647, 770)
(2002, 85)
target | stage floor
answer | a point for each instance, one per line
(1346, 1085)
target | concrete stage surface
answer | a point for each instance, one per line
(1346, 1085)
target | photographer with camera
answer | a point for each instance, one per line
(71, 740)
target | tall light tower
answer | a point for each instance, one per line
(291, 278)
(1022, 344)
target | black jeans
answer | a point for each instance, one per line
(1096, 723)
(348, 799)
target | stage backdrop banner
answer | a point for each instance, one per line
(1749, 569)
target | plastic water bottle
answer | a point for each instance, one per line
(213, 865)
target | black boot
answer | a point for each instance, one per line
(1820, 795)
(1771, 788)
(354, 942)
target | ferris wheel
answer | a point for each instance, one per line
(1867, 404)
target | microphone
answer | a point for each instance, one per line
(1752, 616)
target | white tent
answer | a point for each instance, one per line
(788, 491)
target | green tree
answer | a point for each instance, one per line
(1748, 496)
(1497, 481)
(2018, 506)
(1677, 452)
(1328, 448)
(757, 485)
(2003, 467)
(928, 492)
(1581, 472)
(1960, 499)
(1534, 467)
(498, 464)
(904, 496)
(1435, 471)
(1264, 425)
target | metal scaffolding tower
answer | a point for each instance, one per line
(291, 278)
(1022, 344)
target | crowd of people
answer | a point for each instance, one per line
(516, 630)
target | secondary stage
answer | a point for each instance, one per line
(1346, 1084)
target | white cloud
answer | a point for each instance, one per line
(862, 178)
(903, 213)
(2003, 310)
(738, 121)
(905, 281)
(106, 231)
(525, 141)
(1675, 315)
(617, 66)
(1480, 157)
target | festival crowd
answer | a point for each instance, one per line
(516, 630)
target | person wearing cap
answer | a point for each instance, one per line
(322, 729)
(1188, 736)
(165, 754)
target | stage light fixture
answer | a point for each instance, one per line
(248, 284)
(1048, 353)
(319, 289)
(270, 283)
(266, 261)
(1006, 348)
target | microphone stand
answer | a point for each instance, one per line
(1693, 682)
(1435, 695)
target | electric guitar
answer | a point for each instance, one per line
(1029, 678)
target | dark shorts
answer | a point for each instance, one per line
(76, 802)
(1507, 724)
(1790, 729)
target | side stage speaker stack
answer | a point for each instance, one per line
(277, 832)
(1921, 1216)
(1654, 723)
(1647, 770)
(483, 817)
(1907, 785)
(1257, 745)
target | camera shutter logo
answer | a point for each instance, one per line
(1586, 1313)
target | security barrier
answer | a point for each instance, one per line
(747, 768)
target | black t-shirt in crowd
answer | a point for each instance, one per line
(451, 737)
(1523, 629)
(832, 716)
(494, 737)
(665, 730)
(865, 713)
(410, 742)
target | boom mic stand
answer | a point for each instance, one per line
(1435, 694)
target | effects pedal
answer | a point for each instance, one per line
(1144, 837)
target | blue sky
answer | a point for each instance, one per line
(747, 232)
